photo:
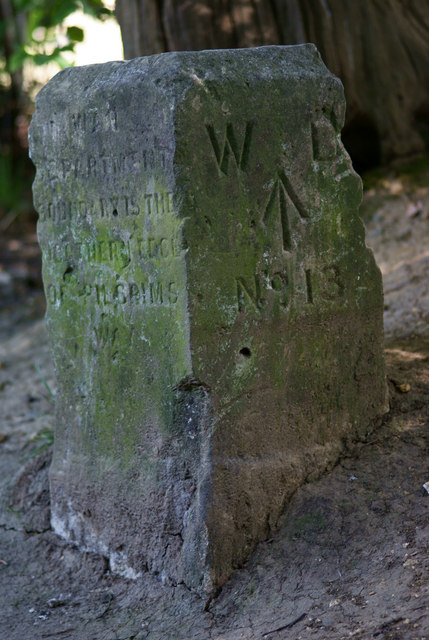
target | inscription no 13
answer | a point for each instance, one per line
(327, 286)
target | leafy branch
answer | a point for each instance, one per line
(34, 30)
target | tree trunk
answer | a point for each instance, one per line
(12, 97)
(379, 48)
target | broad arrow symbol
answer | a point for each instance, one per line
(281, 198)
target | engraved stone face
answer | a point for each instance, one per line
(215, 317)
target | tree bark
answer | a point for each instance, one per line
(379, 48)
(13, 98)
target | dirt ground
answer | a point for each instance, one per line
(350, 559)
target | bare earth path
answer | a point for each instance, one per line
(350, 559)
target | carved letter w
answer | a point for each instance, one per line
(231, 146)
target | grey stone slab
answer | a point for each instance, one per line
(214, 314)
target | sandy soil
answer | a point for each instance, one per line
(350, 559)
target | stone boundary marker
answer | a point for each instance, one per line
(214, 315)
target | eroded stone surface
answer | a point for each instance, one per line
(215, 316)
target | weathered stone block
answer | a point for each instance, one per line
(214, 315)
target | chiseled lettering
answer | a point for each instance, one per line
(102, 296)
(119, 293)
(153, 158)
(134, 293)
(96, 251)
(230, 146)
(249, 294)
(154, 247)
(172, 293)
(66, 210)
(87, 290)
(158, 203)
(104, 334)
(155, 289)
(94, 119)
(118, 206)
(143, 293)
(92, 166)
(332, 283)
(98, 166)
(148, 200)
(282, 200)
(63, 210)
(309, 286)
(324, 139)
(164, 247)
(280, 285)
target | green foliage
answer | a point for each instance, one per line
(31, 28)
(51, 395)
(12, 177)
(45, 439)
(32, 32)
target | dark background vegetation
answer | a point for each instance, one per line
(29, 31)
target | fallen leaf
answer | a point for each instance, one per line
(403, 387)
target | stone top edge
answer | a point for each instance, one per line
(186, 67)
(307, 51)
